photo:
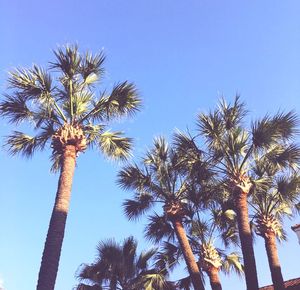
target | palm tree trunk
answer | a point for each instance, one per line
(214, 279)
(246, 241)
(54, 240)
(274, 264)
(188, 255)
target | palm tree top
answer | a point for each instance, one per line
(61, 101)
(233, 148)
(119, 266)
(161, 177)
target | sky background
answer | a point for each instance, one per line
(183, 56)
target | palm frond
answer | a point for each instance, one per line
(134, 208)
(123, 100)
(114, 145)
(132, 177)
(20, 143)
(282, 157)
(232, 115)
(159, 228)
(91, 67)
(68, 60)
(14, 108)
(144, 258)
(270, 130)
(233, 262)
(212, 128)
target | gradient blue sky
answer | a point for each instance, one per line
(183, 56)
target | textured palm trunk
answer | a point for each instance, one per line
(214, 279)
(188, 255)
(56, 230)
(246, 241)
(271, 248)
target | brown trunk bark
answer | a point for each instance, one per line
(246, 241)
(188, 255)
(55, 235)
(214, 279)
(271, 248)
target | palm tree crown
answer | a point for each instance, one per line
(60, 104)
(120, 267)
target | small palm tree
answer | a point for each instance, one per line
(212, 260)
(202, 234)
(233, 148)
(119, 267)
(160, 179)
(60, 104)
(273, 201)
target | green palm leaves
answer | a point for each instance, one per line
(121, 267)
(64, 94)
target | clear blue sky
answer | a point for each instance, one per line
(183, 56)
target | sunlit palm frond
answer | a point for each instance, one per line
(114, 145)
(25, 81)
(20, 143)
(123, 100)
(232, 114)
(91, 67)
(232, 262)
(212, 128)
(93, 133)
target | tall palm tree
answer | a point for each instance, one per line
(160, 179)
(271, 203)
(61, 106)
(120, 267)
(232, 147)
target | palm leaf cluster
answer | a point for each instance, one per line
(64, 93)
(121, 267)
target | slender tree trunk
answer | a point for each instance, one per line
(54, 240)
(274, 264)
(213, 274)
(246, 241)
(188, 255)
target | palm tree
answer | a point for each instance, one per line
(119, 267)
(202, 235)
(60, 104)
(160, 179)
(212, 260)
(232, 148)
(271, 203)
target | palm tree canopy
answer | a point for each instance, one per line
(61, 100)
(160, 178)
(121, 267)
(273, 200)
(233, 148)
